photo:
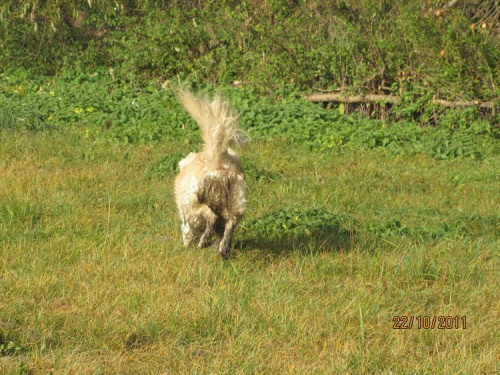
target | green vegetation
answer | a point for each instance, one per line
(109, 110)
(359, 46)
(354, 217)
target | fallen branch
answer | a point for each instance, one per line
(338, 97)
(391, 99)
(459, 103)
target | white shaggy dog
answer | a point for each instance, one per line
(210, 189)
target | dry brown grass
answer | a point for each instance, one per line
(94, 279)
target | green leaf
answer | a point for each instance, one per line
(342, 108)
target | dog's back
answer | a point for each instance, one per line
(222, 189)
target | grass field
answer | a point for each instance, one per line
(94, 279)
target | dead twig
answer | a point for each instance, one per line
(391, 99)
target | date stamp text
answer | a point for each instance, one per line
(429, 322)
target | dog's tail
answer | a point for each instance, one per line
(218, 123)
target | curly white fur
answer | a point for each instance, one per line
(210, 190)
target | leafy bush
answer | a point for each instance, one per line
(296, 223)
(367, 45)
(111, 109)
(321, 223)
(460, 133)
(458, 227)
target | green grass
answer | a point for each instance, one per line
(94, 280)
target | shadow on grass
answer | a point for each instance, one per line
(305, 231)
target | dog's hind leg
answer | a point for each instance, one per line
(219, 227)
(225, 242)
(210, 219)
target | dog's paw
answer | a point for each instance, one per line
(204, 242)
(225, 252)
(225, 256)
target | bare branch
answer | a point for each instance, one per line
(342, 98)
(372, 98)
